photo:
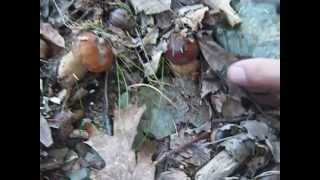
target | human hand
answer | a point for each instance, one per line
(259, 76)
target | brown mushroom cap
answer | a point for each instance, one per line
(181, 50)
(95, 55)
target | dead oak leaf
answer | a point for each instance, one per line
(116, 150)
(52, 35)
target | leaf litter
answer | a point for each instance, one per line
(147, 117)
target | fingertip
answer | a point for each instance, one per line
(236, 74)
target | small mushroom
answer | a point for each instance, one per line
(89, 53)
(183, 53)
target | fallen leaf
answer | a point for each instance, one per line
(151, 37)
(44, 49)
(218, 101)
(151, 6)
(212, 17)
(217, 57)
(274, 147)
(116, 150)
(164, 20)
(45, 132)
(52, 35)
(257, 129)
(150, 68)
(224, 5)
(192, 15)
(173, 174)
(209, 81)
(232, 107)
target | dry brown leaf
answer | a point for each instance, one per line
(217, 57)
(232, 107)
(52, 35)
(192, 15)
(224, 6)
(116, 150)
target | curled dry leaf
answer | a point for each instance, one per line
(192, 15)
(150, 68)
(116, 150)
(224, 6)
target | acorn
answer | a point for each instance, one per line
(88, 53)
(120, 18)
(183, 52)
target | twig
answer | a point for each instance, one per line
(221, 140)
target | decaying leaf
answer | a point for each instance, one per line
(192, 15)
(218, 101)
(44, 49)
(150, 68)
(194, 156)
(116, 150)
(257, 129)
(164, 20)
(173, 174)
(151, 6)
(217, 57)
(209, 81)
(52, 35)
(232, 107)
(151, 37)
(274, 147)
(45, 132)
(224, 5)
